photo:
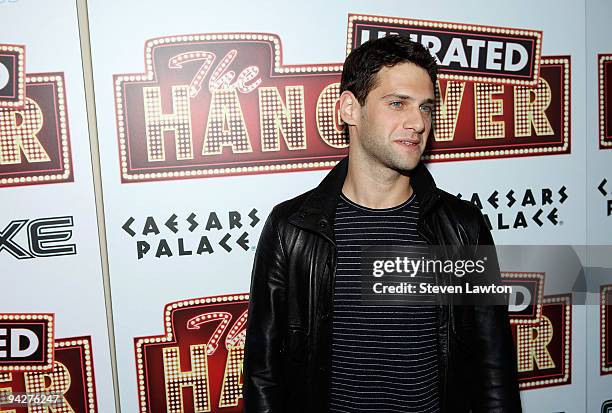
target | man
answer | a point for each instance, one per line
(312, 345)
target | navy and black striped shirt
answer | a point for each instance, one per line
(384, 357)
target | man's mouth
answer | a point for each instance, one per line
(408, 142)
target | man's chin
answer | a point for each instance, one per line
(407, 163)
(405, 167)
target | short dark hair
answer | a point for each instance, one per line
(362, 65)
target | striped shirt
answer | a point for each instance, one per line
(384, 357)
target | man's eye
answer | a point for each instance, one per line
(396, 104)
(427, 108)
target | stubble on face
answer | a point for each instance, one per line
(381, 124)
(377, 150)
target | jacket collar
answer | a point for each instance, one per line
(318, 210)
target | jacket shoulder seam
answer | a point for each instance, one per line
(275, 227)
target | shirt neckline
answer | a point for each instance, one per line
(404, 204)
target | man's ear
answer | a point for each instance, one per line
(349, 108)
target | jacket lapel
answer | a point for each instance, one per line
(318, 210)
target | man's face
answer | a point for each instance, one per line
(394, 123)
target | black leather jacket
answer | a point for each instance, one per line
(288, 343)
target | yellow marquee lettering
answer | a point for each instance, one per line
(486, 107)
(532, 346)
(530, 105)
(231, 392)
(59, 382)
(197, 378)
(447, 110)
(6, 377)
(328, 117)
(18, 130)
(276, 118)
(226, 125)
(156, 123)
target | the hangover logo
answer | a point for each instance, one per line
(520, 208)
(463, 51)
(192, 234)
(541, 327)
(26, 342)
(476, 119)
(71, 376)
(34, 136)
(606, 330)
(605, 189)
(202, 349)
(605, 100)
(544, 349)
(37, 238)
(224, 104)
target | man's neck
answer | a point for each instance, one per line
(375, 188)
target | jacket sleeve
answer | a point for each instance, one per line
(267, 302)
(496, 379)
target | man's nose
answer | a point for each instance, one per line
(415, 120)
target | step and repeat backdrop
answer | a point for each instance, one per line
(53, 321)
(209, 114)
(599, 203)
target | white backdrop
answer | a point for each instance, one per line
(599, 162)
(311, 33)
(142, 287)
(69, 286)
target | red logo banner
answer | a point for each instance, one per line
(480, 120)
(34, 138)
(475, 118)
(196, 366)
(544, 350)
(71, 377)
(224, 104)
